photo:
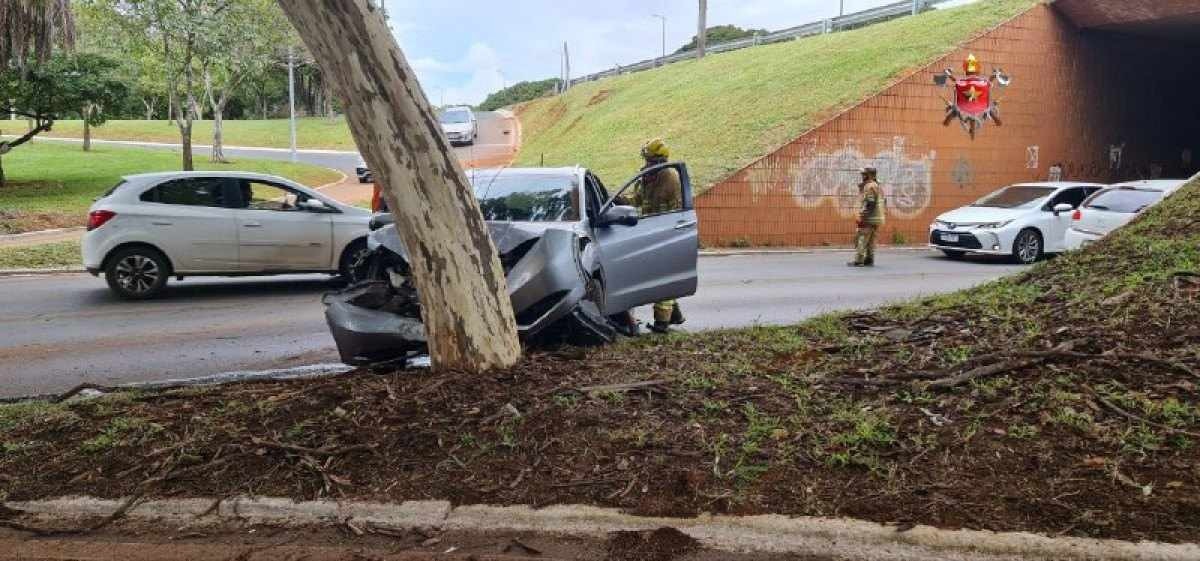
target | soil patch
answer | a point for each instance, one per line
(663, 544)
(18, 222)
(1062, 401)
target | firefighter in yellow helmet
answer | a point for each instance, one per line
(870, 217)
(660, 192)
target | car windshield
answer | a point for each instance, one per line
(455, 117)
(1124, 200)
(1017, 196)
(523, 197)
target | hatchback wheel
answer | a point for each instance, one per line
(137, 273)
(356, 262)
(1027, 248)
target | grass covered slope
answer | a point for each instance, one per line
(1061, 401)
(723, 112)
(51, 185)
(311, 132)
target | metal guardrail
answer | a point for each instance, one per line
(848, 21)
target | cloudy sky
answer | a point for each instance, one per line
(465, 49)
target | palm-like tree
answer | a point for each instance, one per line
(32, 28)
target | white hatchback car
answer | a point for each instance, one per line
(459, 125)
(1025, 221)
(1115, 207)
(154, 226)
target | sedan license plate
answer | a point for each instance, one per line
(950, 238)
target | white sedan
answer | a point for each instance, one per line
(1115, 207)
(154, 226)
(1025, 221)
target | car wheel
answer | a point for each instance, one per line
(952, 254)
(355, 264)
(1028, 248)
(137, 273)
(589, 327)
(363, 180)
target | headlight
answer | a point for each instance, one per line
(940, 224)
(995, 225)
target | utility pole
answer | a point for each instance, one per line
(917, 4)
(664, 37)
(702, 29)
(841, 8)
(292, 97)
(566, 67)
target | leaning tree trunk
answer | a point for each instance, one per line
(464, 299)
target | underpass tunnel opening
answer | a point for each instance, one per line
(1141, 94)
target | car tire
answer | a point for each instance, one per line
(363, 180)
(355, 264)
(1028, 247)
(955, 255)
(589, 328)
(137, 273)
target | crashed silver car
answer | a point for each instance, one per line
(572, 254)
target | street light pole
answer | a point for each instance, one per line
(664, 35)
(292, 97)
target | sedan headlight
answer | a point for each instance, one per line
(994, 225)
(939, 224)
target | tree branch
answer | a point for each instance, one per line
(40, 127)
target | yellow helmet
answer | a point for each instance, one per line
(656, 149)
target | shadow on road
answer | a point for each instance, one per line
(222, 289)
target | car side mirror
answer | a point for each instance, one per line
(1062, 207)
(314, 205)
(619, 214)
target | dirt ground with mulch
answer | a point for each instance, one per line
(346, 541)
(1062, 401)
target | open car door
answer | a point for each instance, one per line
(647, 258)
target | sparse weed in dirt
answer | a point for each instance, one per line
(120, 431)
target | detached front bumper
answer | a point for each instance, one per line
(984, 242)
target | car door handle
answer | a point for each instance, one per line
(251, 225)
(161, 223)
(685, 225)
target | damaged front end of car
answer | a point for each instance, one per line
(547, 269)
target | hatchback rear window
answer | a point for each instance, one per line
(1127, 201)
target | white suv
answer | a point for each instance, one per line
(154, 226)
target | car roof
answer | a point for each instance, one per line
(159, 176)
(1155, 184)
(541, 172)
(458, 108)
(1057, 184)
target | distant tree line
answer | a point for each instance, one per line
(519, 93)
(722, 34)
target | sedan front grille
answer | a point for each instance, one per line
(965, 240)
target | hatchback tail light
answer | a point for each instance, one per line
(98, 218)
(1077, 216)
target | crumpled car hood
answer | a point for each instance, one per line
(506, 235)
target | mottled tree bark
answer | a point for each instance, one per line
(464, 299)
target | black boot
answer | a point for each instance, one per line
(677, 316)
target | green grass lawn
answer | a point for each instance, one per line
(315, 132)
(46, 256)
(723, 112)
(52, 185)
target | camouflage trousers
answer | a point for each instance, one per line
(864, 243)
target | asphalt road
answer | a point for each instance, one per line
(60, 331)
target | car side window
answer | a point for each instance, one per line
(1073, 197)
(193, 191)
(259, 195)
(596, 195)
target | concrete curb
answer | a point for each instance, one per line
(343, 179)
(840, 538)
(36, 233)
(35, 272)
(147, 143)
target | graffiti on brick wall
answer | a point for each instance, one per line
(821, 178)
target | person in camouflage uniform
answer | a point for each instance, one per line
(870, 218)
